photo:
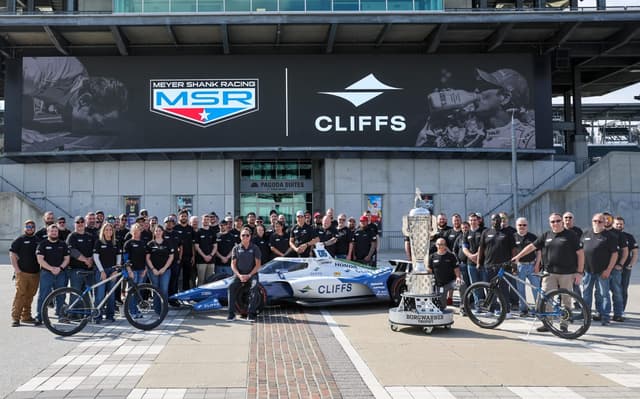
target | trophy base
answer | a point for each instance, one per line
(419, 311)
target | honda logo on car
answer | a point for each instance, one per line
(204, 102)
(334, 288)
(359, 93)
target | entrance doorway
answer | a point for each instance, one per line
(283, 185)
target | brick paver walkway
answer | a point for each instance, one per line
(287, 361)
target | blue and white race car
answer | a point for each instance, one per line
(306, 281)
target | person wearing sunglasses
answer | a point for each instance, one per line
(245, 263)
(63, 231)
(27, 274)
(528, 264)
(562, 256)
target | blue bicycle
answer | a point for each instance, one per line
(66, 311)
(562, 311)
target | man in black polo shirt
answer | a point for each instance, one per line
(569, 223)
(632, 244)
(48, 218)
(497, 247)
(470, 245)
(562, 257)
(327, 235)
(53, 257)
(186, 234)
(245, 263)
(303, 236)
(225, 241)
(205, 248)
(600, 257)
(615, 280)
(444, 265)
(343, 237)
(528, 265)
(27, 273)
(172, 236)
(80, 244)
(363, 243)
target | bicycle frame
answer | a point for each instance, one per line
(539, 292)
(89, 291)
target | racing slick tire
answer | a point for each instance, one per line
(242, 299)
(397, 286)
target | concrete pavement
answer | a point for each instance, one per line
(341, 352)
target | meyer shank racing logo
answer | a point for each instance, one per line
(203, 102)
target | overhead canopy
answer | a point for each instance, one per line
(605, 44)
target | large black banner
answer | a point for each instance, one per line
(444, 101)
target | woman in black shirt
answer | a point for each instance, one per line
(260, 239)
(106, 255)
(279, 241)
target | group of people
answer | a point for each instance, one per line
(599, 257)
(179, 254)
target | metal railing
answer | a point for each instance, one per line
(35, 199)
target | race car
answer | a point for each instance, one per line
(306, 281)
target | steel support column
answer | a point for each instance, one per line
(579, 142)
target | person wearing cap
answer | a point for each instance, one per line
(317, 220)
(53, 258)
(235, 228)
(170, 235)
(187, 260)
(351, 225)
(81, 243)
(27, 273)
(303, 236)
(63, 231)
(121, 229)
(363, 243)
(99, 219)
(225, 241)
(144, 213)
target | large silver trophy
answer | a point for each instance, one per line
(419, 305)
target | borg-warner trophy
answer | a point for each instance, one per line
(419, 305)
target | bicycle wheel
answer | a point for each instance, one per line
(145, 307)
(65, 311)
(564, 313)
(485, 305)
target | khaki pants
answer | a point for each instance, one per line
(555, 281)
(204, 271)
(26, 288)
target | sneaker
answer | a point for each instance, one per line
(110, 320)
(252, 318)
(618, 318)
(564, 328)
(231, 317)
(542, 329)
(30, 320)
(38, 322)
(605, 322)
(15, 323)
(596, 317)
(496, 313)
(524, 313)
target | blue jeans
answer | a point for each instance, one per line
(626, 278)
(80, 282)
(161, 282)
(48, 283)
(616, 291)
(101, 292)
(504, 287)
(138, 279)
(476, 275)
(525, 272)
(602, 288)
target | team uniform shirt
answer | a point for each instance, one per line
(326, 235)
(620, 240)
(225, 242)
(279, 242)
(362, 241)
(41, 234)
(443, 267)
(160, 252)
(53, 252)
(471, 241)
(263, 244)
(205, 238)
(559, 251)
(246, 257)
(94, 231)
(577, 230)
(185, 235)
(172, 238)
(25, 248)
(497, 246)
(146, 236)
(457, 249)
(598, 248)
(120, 236)
(63, 234)
(107, 253)
(344, 236)
(631, 244)
(136, 251)
(84, 244)
(451, 236)
(302, 235)
(235, 233)
(523, 241)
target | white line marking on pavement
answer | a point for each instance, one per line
(627, 380)
(419, 392)
(587, 357)
(545, 393)
(367, 376)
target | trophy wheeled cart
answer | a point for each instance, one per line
(420, 306)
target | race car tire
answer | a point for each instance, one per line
(242, 299)
(396, 287)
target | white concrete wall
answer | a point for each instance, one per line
(15, 210)
(82, 186)
(612, 185)
(461, 186)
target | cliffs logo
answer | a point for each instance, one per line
(203, 102)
